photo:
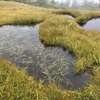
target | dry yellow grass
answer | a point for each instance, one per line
(11, 12)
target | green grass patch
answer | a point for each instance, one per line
(17, 85)
(84, 18)
(74, 13)
(65, 32)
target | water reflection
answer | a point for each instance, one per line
(21, 45)
(93, 24)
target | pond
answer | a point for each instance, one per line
(93, 24)
(68, 16)
(21, 45)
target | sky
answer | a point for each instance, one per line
(60, 0)
(65, 0)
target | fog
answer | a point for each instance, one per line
(64, 4)
(80, 4)
(76, 0)
(60, 0)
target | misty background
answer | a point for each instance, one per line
(65, 4)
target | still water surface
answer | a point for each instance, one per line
(22, 46)
(93, 24)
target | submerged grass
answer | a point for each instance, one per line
(85, 45)
(17, 85)
(55, 30)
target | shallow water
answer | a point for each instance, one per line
(69, 16)
(21, 45)
(93, 24)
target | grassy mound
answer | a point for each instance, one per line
(65, 32)
(19, 13)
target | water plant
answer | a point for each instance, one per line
(25, 49)
(52, 64)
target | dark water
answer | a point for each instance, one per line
(93, 24)
(21, 45)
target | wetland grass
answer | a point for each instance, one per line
(65, 32)
(73, 13)
(57, 30)
(85, 17)
(18, 13)
(17, 85)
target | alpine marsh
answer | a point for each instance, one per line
(55, 29)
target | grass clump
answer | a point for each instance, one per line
(92, 91)
(65, 32)
(14, 84)
(85, 17)
(17, 85)
(74, 13)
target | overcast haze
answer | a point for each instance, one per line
(80, 1)
(60, 0)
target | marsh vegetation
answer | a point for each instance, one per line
(55, 30)
(22, 46)
(67, 31)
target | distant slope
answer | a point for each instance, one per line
(40, 3)
(14, 13)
